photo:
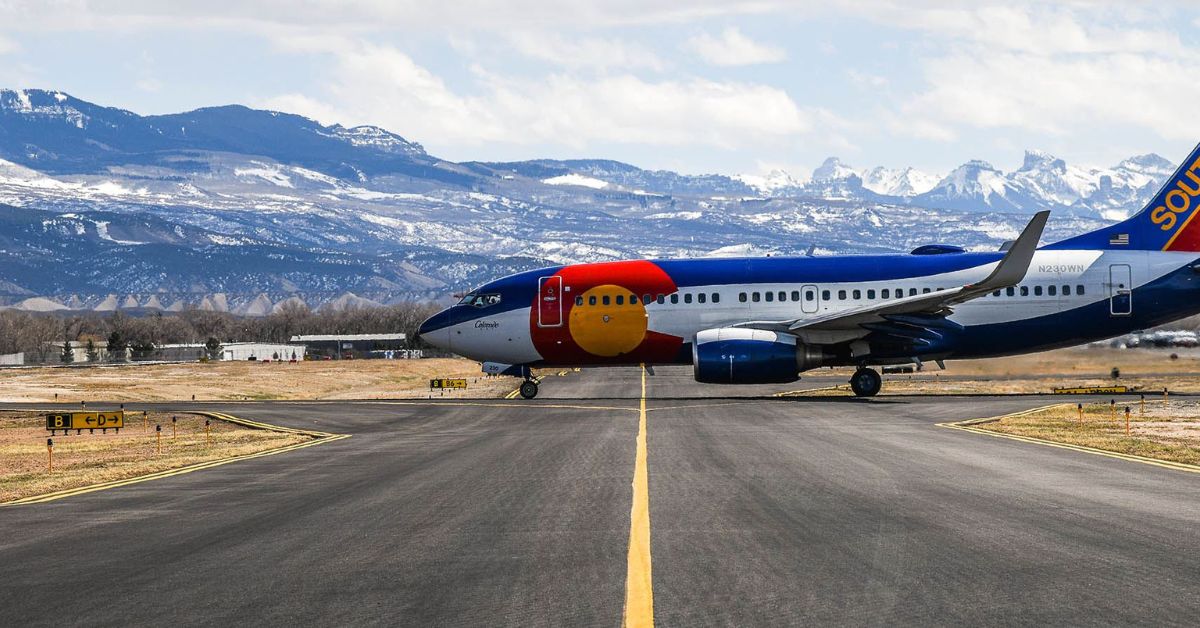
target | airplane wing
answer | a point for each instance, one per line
(856, 322)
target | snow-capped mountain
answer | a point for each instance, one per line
(236, 209)
(902, 182)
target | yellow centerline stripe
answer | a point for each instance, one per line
(639, 593)
(968, 426)
(324, 437)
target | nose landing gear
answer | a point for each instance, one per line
(529, 389)
(865, 382)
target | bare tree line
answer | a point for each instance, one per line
(42, 335)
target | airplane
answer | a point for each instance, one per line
(767, 320)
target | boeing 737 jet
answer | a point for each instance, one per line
(766, 320)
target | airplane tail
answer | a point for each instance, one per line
(1166, 224)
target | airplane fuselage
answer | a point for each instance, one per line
(650, 311)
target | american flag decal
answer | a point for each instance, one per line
(1120, 239)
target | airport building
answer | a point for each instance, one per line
(357, 346)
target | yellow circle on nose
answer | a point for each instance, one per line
(608, 329)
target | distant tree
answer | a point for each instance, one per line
(117, 347)
(67, 355)
(93, 355)
(213, 348)
(143, 350)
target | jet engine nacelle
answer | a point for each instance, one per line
(735, 355)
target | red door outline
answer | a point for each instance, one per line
(550, 304)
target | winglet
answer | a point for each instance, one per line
(1012, 268)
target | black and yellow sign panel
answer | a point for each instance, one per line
(447, 383)
(1092, 390)
(85, 420)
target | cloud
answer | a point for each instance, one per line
(1057, 70)
(7, 45)
(351, 16)
(733, 48)
(585, 52)
(382, 85)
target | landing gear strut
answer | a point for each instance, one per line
(529, 389)
(865, 382)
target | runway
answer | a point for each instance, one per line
(762, 511)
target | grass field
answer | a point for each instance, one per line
(1165, 431)
(81, 460)
(347, 379)
(1142, 369)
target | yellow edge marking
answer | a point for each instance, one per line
(157, 475)
(800, 393)
(1180, 230)
(639, 593)
(968, 426)
(425, 404)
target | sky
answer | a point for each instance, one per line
(724, 86)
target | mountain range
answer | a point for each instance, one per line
(237, 209)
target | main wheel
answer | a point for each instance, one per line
(529, 389)
(865, 382)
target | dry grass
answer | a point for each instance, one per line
(347, 379)
(1169, 431)
(82, 460)
(1148, 370)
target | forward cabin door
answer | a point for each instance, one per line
(550, 306)
(1120, 290)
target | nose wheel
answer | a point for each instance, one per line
(529, 389)
(865, 382)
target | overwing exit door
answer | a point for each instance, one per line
(1120, 290)
(550, 304)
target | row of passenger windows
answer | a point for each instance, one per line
(620, 299)
(887, 293)
(811, 294)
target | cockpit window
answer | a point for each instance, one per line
(480, 300)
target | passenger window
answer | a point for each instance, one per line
(1010, 291)
(810, 295)
(620, 299)
(579, 300)
(857, 294)
(701, 297)
(592, 300)
(1079, 289)
(996, 293)
(796, 295)
(886, 293)
(871, 294)
(770, 297)
(646, 299)
(925, 290)
(912, 292)
(742, 297)
(605, 300)
(675, 298)
(824, 295)
(899, 293)
(754, 296)
(1024, 291)
(687, 298)
(660, 300)
(633, 299)
(1052, 290)
(783, 296)
(1037, 291)
(841, 295)
(716, 297)
(1067, 290)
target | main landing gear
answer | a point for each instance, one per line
(865, 382)
(529, 389)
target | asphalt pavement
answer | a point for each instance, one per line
(763, 511)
